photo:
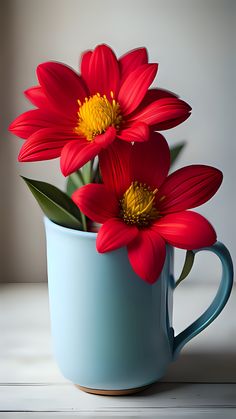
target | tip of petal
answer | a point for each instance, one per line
(100, 247)
(48, 67)
(104, 47)
(66, 169)
(143, 51)
(26, 93)
(11, 127)
(42, 66)
(42, 70)
(184, 105)
(219, 175)
(106, 138)
(66, 172)
(21, 157)
(17, 129)
(24, 154)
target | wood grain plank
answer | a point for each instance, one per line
(67, 398)
(187, 413)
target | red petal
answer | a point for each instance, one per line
(152, 95)
(62, 86)
(44, 144)
(186, 230)
(84, 66)
(151, 161)
(115, 167)
(114, 234)
(103, 74)
(37, 97)
(31, 121)
(136, 132)
(131, 60)
(163, 110)
(96, 202)
(147, 255)
(135, 86)
(162, 126)
(188, 187)
(76, 153)
(104, 140)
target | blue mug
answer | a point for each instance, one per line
(112, 332)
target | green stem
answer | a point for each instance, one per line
(86, 170)
(77, 178)
(92, 163)
(84, 221)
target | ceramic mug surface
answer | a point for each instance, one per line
(111, 330)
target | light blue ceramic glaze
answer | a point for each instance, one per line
(110, 329)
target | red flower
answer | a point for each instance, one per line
(78, 116)
(142, 208)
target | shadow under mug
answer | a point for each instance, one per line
(112, 332)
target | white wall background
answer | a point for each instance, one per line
(194, 43)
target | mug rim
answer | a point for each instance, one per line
(68, 230)
(79, 233)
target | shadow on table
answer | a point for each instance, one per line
(208, 367)
(196, 368)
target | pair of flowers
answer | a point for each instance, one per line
(110, 111)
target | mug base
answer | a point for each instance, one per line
(124, 392)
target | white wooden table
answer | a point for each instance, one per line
(200, 384)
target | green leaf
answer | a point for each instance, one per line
(87, 172)
(74, 182)
(175, 152)
(70, 186)
(55, 204)
(188, 264)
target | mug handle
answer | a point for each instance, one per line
(217, 304)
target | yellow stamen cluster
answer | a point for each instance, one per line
(137, 205)
(96, 114)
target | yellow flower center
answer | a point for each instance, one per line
(137, 205)
(96, 114)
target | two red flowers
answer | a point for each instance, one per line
(109, 111)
